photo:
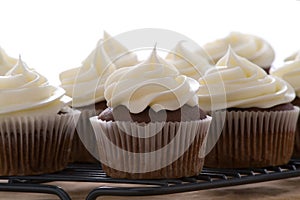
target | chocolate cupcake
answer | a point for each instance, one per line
(153, 116)
(259, 125)
(85, 84)
(36, 129)
(252, 47)
(290, 72)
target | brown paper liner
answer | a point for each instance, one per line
(254, 139)
(36, 145)
(84, 148)
(173, 152)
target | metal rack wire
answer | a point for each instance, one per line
(208, 179)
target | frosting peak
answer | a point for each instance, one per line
(295, 56)
(246, 84)
(153, 82)
(23, 90)
(187, 62)
(117, 52)
(85, 84)
(232, 60)
(6, 62)
(21, 76)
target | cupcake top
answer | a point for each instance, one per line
(117, 52)
(85, 84)
(252, 47)
(24, 91)
(187, 62)
(6, 62)
(246, 85)
(290, 71)
(152, 83)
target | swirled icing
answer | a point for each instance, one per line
(153, 82)
(290, 71)
(187, 62)
(117, 52)
(6, 62)
(25, 91)
(246, 84)
(85, 84)
(252, 47)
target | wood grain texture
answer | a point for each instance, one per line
(287, 189)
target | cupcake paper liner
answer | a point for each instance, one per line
(84, 148)
(296, 152)
(254, 139)
(151, 151)
(31, 145)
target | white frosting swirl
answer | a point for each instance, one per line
(290, 72)
(117, 52)
(188, 63)
(23, 91)
(154, 83)
(6, 62)
(246, 85)
(293, 57)
(85, 84)
(254, 48)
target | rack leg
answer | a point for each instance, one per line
(110, 191)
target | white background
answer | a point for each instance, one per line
(56, 35)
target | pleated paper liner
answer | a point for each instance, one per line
(296, 152)
(151, 151)
(84, 149)
(35, 145)
(254, 139)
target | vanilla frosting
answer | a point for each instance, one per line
(24, 91)
(6, 62)
(117, 52)
(293, 57)
(290, 71)
(254, 48)
(246, 85)
(187, 62)
(85, 84)
(153, 82)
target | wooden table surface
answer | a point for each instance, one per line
(286, 189)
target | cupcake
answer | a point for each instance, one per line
(290, 72)
(260, 122)
(6, 62)
(35, 126)
(153, 127)
(85, 84)
(252, 47)
(187, 62)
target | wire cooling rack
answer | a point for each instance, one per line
(209, 178)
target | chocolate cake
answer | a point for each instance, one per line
(80, 153)
(121, 113)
